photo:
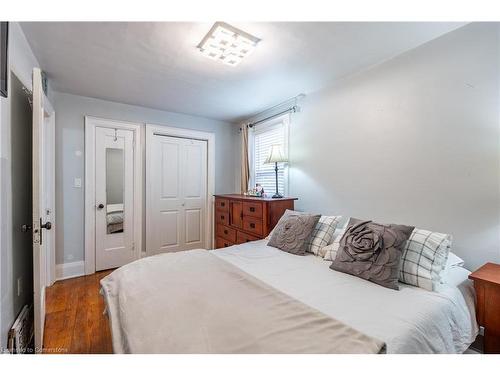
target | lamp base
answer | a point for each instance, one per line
(277, 194)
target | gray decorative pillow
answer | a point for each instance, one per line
(292, 232)
(372, 251)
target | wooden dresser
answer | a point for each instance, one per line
(487, 285)
(241, 218)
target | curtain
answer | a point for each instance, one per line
(245, 167)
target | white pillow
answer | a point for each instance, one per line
(454, 261)
(322, 234)
(329, 252)
(424, 258)
(344, 221)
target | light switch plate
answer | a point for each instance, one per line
(78, 182)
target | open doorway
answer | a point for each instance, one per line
(31, 210)
(22, 195)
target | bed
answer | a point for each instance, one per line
(411, 320)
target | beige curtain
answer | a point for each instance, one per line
(245, 167)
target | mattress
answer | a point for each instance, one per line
(411, 320)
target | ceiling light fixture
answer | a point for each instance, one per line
(227, 44)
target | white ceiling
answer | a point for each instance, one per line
(157, 65)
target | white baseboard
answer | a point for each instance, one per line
(69, 270)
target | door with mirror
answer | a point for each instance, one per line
(114, 197)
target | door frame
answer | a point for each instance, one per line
(90, 125)
(50, 189)
(209, 137)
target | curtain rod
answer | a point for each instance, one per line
(292, 109)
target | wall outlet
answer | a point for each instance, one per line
(77, 183)
(19, 286)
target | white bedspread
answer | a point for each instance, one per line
(411, 320)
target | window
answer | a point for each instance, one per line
(261, 139)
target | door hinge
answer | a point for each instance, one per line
(133, 246)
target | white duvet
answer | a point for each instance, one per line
(411, 320)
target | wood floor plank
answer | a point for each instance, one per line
(56, 338)
(74, 321)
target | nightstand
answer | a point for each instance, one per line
(487, 285)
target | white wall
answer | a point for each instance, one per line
(70, 112)
(21, 62)
(414, 140)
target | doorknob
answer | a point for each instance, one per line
(25, 228)
(100, 206)
(47, 225)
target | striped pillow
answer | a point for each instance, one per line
(329, 252)
(424, 258)
(322, 234)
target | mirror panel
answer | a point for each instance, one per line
(115, 169)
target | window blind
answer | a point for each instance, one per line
(264, 173)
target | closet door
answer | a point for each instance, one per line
(177, 194)
(114, 197)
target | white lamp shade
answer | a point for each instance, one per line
(276, 155)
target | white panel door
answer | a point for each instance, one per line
(114, 197)
(177, 194)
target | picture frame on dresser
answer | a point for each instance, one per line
(242, 218)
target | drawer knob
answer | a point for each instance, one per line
(252, 209)
(222, 204)
(252, 225)
(222, 217)
(225, 231)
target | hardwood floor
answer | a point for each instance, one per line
(74, 321)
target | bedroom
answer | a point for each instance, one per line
(330, 168)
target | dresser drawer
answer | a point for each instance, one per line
(252, 225)
(252, 209)
(226, 232)
(244, 237)
(222, 204)
(222, 242)
(222, 217)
